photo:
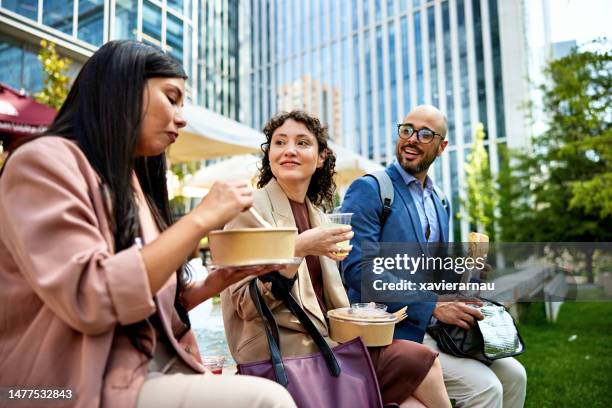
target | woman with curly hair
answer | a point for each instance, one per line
(296, 181)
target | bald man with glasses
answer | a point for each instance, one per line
(418, 215)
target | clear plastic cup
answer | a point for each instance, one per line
(338, 220)
(214, 363)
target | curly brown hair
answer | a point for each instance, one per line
(322, 186)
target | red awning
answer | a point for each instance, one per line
(21, 115)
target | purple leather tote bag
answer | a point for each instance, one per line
(342, 377)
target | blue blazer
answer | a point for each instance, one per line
(403, 225)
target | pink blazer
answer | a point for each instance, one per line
(64, 293)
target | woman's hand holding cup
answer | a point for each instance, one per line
(324, 241)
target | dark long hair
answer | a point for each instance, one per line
(322, 187)
(103, 114)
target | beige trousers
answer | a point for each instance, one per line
(209, 390)
(472, 384)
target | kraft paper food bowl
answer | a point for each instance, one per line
(251, 246)
(375, 330)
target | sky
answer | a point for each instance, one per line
(580, 20)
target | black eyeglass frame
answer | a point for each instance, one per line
(418, 133)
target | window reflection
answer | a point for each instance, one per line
(91, 21)
(26, 8)
(380, 68)
(419, 58)
(125, 19)
(19, 65)
(405, 64)
(448, 74)
(58, 14)
(433, 63)
(151, 24)
(176, 4)
(10, 62)
(463, 68)
(174, 37)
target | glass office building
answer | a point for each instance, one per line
(361, 65)
(200, 34)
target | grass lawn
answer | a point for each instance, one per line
(563, 373)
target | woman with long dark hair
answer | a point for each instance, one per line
(296, 181)
(93, 292)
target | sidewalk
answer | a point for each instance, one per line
(208, 327)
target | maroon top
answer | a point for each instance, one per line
(300, 214)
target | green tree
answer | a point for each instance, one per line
(565, 178)
(480, 192)
(56, 82)
(513, 199)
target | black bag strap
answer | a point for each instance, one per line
(326, 351)
(271, 329)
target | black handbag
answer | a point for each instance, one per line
(494, 337)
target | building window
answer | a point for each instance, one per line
(58, 14)
(463, 69)
(125, 19)
(380, 68)
(448, 74)
(480, 76)
(176, 4)
(357, 88)
(438, 172)
(368, 94)
(433, 62)
(19, 65)
(355, 15)
(455, 196)
(392, 76)
(419, 58)
(497, 70)
(405, 64)
(26, 8)
(174, 37)
(91, 21)
(151, 23)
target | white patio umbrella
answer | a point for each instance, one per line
(243, 167)
(349, 166)
(209, 135)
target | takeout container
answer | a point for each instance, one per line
(251, 246)
(375, 329)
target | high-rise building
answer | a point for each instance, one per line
(200, 34)
(382, 58)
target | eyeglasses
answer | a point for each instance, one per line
(424, 135)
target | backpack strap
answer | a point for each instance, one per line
(385, 187)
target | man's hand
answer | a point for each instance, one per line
(458, 313)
